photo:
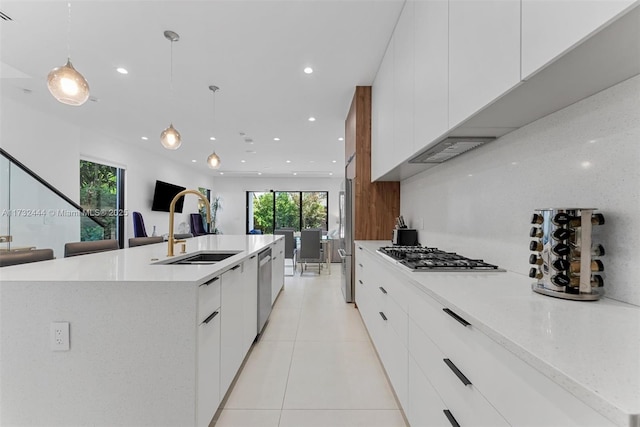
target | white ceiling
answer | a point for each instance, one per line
(255, 51)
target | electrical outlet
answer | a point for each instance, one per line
(60, 336)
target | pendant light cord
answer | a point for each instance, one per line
(69, 31)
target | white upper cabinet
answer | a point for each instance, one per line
(552, 27)
(484, 53)
(431, 56)
(382, 115)
(403, 84)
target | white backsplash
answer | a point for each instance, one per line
(586, 155)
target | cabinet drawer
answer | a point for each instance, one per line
(513, 387)
(465, 401)
(208, 298)
(396, 317)
(424, 406)
(394, 356)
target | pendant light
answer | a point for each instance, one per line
(213, 161)
(170, 138)
(65, 83)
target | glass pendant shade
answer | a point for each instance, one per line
(213, 161)
(170, 138)
(67, 85)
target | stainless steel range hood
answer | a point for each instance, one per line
(449, 148)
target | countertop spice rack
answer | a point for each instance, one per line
(565, 260)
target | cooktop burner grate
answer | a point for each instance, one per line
(420, 258)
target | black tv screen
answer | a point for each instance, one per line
(164, 194)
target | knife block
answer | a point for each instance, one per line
(565, 261)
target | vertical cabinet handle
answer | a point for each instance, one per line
(383, 316)
(456, 371)
(455, 316)
(451, 418)
(383, 290)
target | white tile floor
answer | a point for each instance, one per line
(314, 365)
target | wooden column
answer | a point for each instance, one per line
(377, 204)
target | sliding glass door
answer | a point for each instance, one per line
(268, 211)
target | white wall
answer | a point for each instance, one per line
(586, 155)
(53, 149)
(232, 218)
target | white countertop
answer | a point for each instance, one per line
(137, 264)
(592, 349)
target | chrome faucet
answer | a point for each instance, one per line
(172, 208)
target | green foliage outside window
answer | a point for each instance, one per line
(287, 210)
(98, 191)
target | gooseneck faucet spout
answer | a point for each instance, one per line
(172, 209)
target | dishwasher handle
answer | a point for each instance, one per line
(265, 260)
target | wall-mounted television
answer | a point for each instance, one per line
(164, 194)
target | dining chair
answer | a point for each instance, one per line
(89, 247)
(310, 249)
(196, 224)
(138, 225)
(141, 241)
(24, 257)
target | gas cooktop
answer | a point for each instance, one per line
(418, 258)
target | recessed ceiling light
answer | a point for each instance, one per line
(312, 161)
(288, 161)
(312, 119)
(122, 70)
(330, 173)
(221, 173)
(193, 161)
(259, 173)
(308, 70)
(295, 173)
(334, 161)
(276, 139)
(212, 138)
(340, 139)
(243, 161)
(144, 138)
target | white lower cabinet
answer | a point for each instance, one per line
(231, 342)
(444, 370)
(277, 269)
(208, 365)
(250, 302)
(208, 378)
(424, 408)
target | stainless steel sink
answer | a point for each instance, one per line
(201, 258)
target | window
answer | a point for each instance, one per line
(102, 196)
(267, 211)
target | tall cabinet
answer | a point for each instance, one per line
(375, 204)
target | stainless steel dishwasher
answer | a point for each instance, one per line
(264, 288)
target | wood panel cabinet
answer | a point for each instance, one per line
(484, 54)
(550, 28)
(376, 204)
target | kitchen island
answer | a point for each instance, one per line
(139, 351)
(483, 348)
